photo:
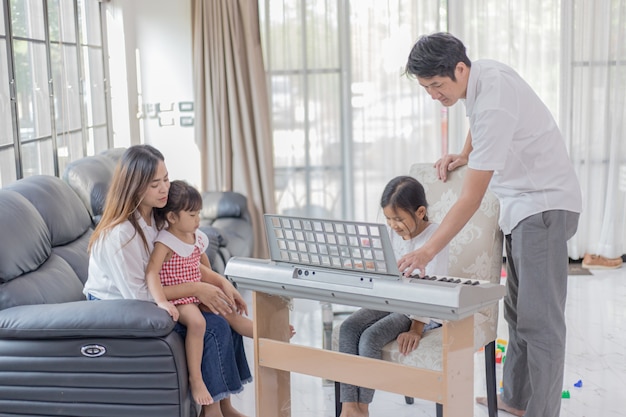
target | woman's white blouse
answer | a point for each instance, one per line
(117, 263)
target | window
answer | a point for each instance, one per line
(345, 119)
(51, 86)
(7, 157)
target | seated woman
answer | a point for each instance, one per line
(120, 248)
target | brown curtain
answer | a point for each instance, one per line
(232, 106)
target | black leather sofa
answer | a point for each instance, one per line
(63, 355)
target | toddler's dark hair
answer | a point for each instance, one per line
(181, 197)
(404, 193)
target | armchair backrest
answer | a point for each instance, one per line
(476, 251)
(227, 222)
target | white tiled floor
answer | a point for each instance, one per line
(596, 315)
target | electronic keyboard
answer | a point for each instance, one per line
(352, 263)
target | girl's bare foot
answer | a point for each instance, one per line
(200, 393)
(502, 406)
(228, 410)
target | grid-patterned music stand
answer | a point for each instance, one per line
(337, 244)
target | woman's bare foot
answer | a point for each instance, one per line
(502, 406)
(228, 410)
(352, 409)
(200, 393)
(212, 410)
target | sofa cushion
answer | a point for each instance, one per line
(74, 254)
(25, 245)
(53, 282)
(66, 217)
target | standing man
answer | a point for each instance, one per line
(515, 148)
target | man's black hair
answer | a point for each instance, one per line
(436, 55)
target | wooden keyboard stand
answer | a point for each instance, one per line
(275, 358)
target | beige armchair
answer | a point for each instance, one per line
(476, 252)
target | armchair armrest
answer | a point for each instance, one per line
(80, 319)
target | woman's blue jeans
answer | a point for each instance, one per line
(224, 364)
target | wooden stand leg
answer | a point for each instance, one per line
(458, 367)
(273, 386)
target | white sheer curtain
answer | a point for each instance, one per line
(594, 121)
(524, 34)
(574, 55)
(345, 119)
(394, 122)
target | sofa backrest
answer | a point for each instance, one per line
(90, 178)
(30, 273)
(114, 153)
(65, 216)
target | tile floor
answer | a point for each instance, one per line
(596, 314)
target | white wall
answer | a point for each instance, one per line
(150, 64)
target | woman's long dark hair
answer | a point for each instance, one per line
(133, 174)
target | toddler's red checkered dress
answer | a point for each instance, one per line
(184, 265)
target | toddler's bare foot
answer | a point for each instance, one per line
(502, 406)
(200, 393)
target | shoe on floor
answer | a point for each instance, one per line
(600, 262)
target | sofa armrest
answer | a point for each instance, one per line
(79, 319)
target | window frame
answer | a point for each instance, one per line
(18, 144)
